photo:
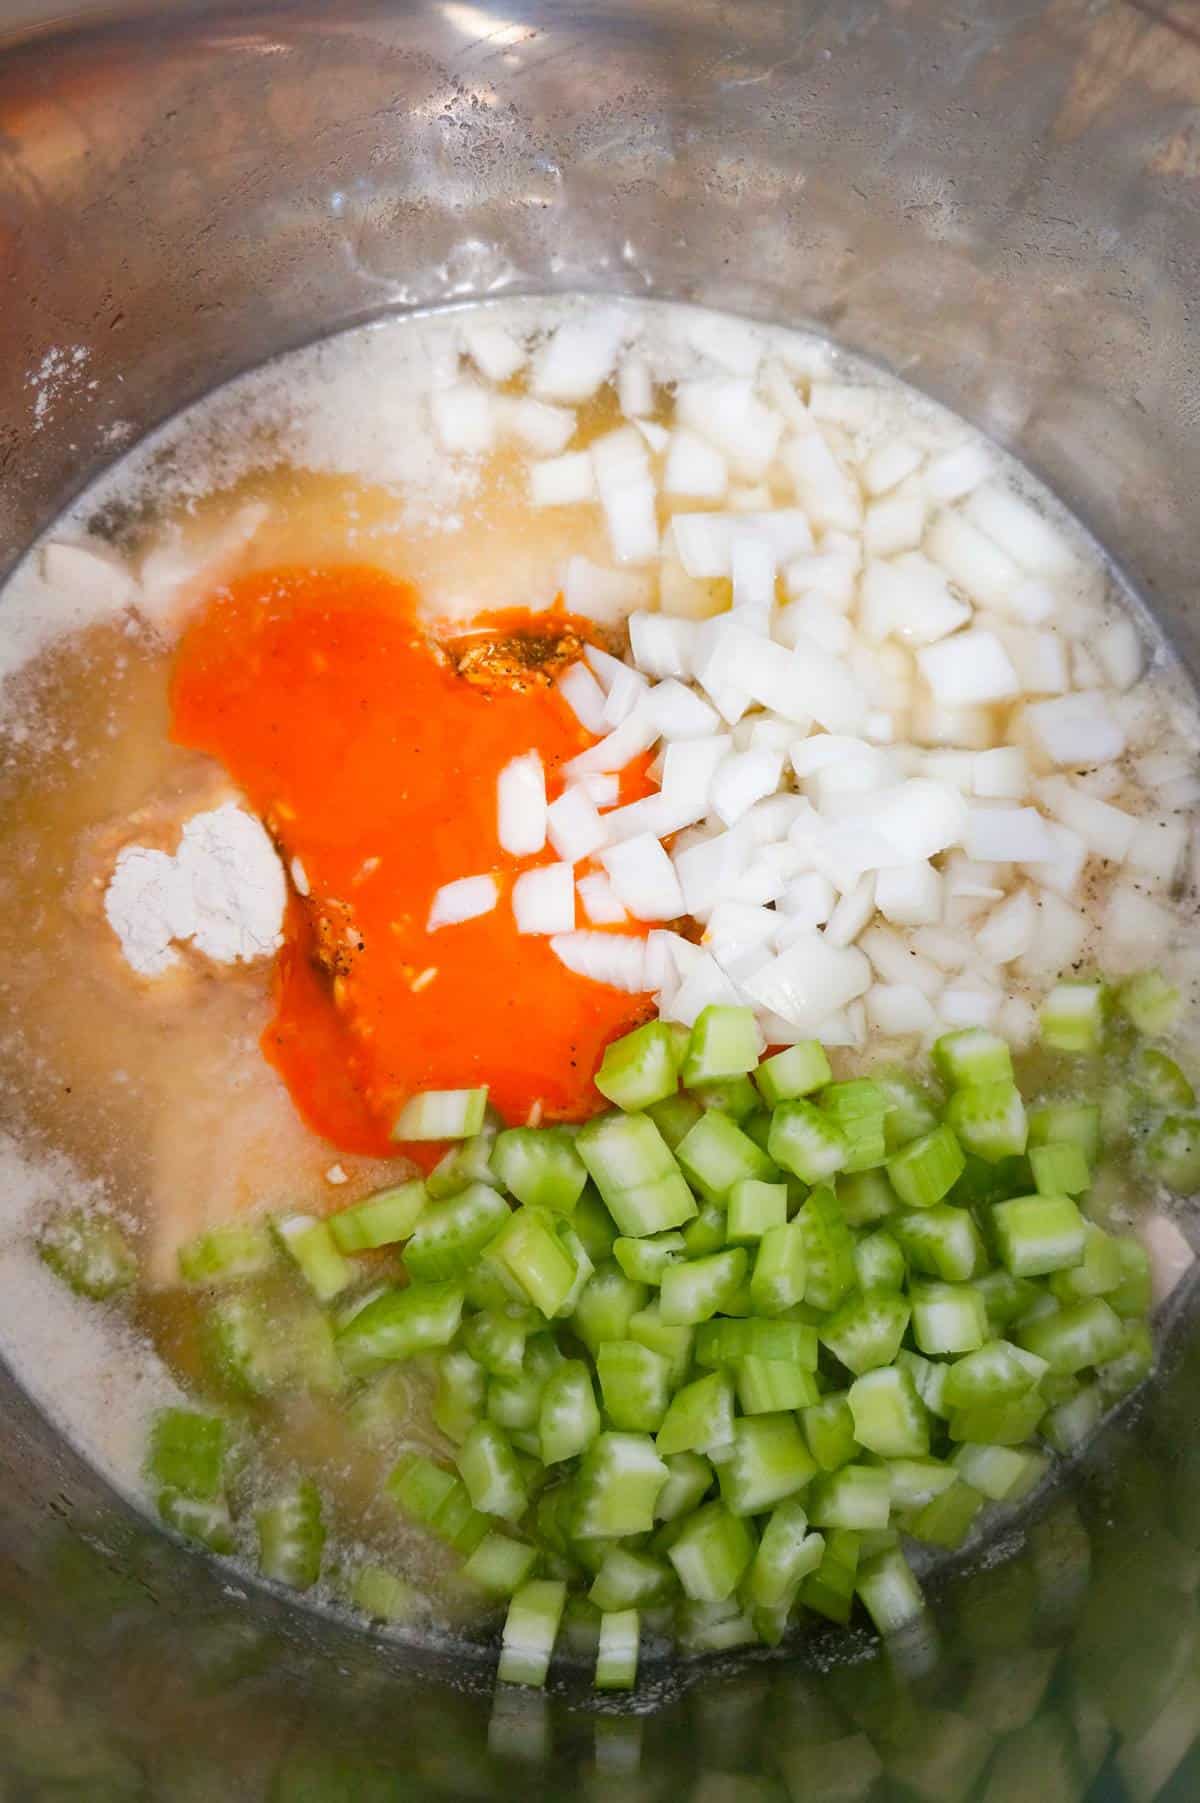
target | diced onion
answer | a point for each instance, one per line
(644, 878)
(521, 806)
(462, 900)
(612, 958)
(574, 827)
(543, 900)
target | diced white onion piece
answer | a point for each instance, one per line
(730, 415)
(1062, 871)
(694, 468)
(736, 927)
(889, 464)
(1017, 1021)
(602, 788)
(600, 902)
(894, 525)
(1040, 660)
(644, 878)
(655, 437)
(668, 959)
(771, 818)
(583, 695)
(899, 1008)
(957, 768)
(462, 900)
(578, 356)
(543, 900)
(1157, 849)
(743, 779)
(540, 427)
(968, 1005)
(830, 574)
(704, 985)
(805, 684)
(575, 828)
(606, 668)
(1008, 835)
(752, 570)
(493, 350)
(521, 806)
(661, 646)
(966, 876)
(629, 511)
(961, 726)
(1008, 931)
(1171, 1258)
(1120, 651)
(767, 874)
(1060, 937)
(627, 688)
(920, 818)
(829, 496)
(971, 669)
(896, 961)
(1087, 672)
(464, 418)
(1135, 931)
(1032, 601)
(909, 598)
(562, 481)
(1078, 730)
(1000, 775)
(635, 388)
(1026, 536)
(808, 900)
(702, 544)
(300, 877)
(616, 959)
(852, 913)
(730, 342)
(1105, 782)
(810, 980)
(678, 712)
(602, 593)
(947, 950)
(807, 756)
(88, 570)
(708, 870)
(972, 560)
(818, 620)
(690, 768)
(956, 472)
(909, 895)
(627, 741)
(1106, 831)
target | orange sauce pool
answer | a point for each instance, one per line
(375, 765)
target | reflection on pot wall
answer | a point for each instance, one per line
(999, 202)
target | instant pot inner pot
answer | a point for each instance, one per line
(998, 203)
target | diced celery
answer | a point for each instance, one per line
(889, 1417)
(436, 1498)
(491, 1472)
(500, 1565)
(206, 1520)
(712, 1553)
(1083, 1333)
(999, 1423)
(383, 1408)
(724, 1342)
(89, 1253)
(530, 1248)
(1076, 1123)
(291, 1536)
(1173, 1152)
(860, 1109)
(946, 1519)
(915, 1481)
(640, 1068)
(470, 1161)
(617, 1651)
(768, 1460)
(186, 1453)
(1060, 1169)
(828, 1249)
(948, 1317)
(807, 1142)
(754, 1209)
(1001, 1473)
(311, 1244)
(1038, 1234)
(699, 1417)
(830, 1589)
(989, 1120)
(734, 1096)
(926, 1169)
(796, 1071)
(928, 1378)
(911, 1113)
(460, 1394)
(707, 1232)
(1005, 1297)
(607, 1304)
(441, 1114)
(972, 1056)
(383, 1594)
(829, 1431)
(780, 1273)
(787, 1553)
(497, 1336)
(530, 1630)
(716, 1155)
(540, 1167)
(725, 1042)
(568, 1416)
(224, 1254)
(383, 1219)
(400, 1324)
(450, 1235)
(1158, 1078)
(1072, 1017)
(995, 1372)
(867, 1330)
(942, 1242)
(635, 1172)
(241, 1347)
(879, 1262)
(675, 1117)
(626, 1578)
(672, 1339)
(618, 1485)
(700, 1288)
(594, 1225)
(1149, 1001)
(713, 1627)
(1134, 1293)
(635, 1384)
(866, 1197)
(855, 1496)
(765, 1386)
(1069, 1424)
(1100, 1273)
(1124, 1372)
(889, 1592)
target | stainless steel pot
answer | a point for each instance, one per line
(997, 199)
